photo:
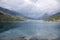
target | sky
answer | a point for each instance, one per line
(32, 8)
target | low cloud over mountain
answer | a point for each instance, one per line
(32, 8)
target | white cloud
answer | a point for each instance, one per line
(31, 8)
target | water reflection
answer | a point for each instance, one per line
(34, 29)
(4, 26)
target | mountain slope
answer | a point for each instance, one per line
(45, 16)
(55, 17)
(9, 11)
(8, 15)
(5, 17)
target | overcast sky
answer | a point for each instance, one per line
(32, 8)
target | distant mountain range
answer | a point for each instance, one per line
(15, 14)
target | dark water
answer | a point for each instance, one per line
(50, 30)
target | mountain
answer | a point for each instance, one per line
(9, 11)
(4, 17)
(55, 17)
(45, 16)
(8, 15)
(14, 13)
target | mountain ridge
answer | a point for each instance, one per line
(6, 16)
(13, 13)
(55, 17)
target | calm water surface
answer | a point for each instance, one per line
(30, 28)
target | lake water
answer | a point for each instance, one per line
(32, 28)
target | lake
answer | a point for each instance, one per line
(31, 28)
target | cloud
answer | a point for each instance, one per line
(32, 8)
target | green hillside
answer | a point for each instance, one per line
(7, 17)
(55, 17)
